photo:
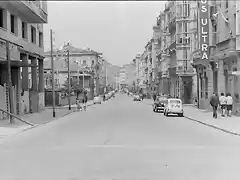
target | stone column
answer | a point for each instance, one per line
(40, 74)
(34, 75)
(221, 77)
(41, 98)
(25, 73)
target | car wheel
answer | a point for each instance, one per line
(180, 114)
(166, 113)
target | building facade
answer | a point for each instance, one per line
(218, 64)
(85, 68)
(123, 77)
(21, 24)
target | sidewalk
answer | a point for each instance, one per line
(230, 125)
(43, 117)
(89, 103)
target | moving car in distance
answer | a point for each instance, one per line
(136, 97)
(97, 100)
(160, 103)
(174, 106)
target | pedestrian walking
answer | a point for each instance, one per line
(78, 104)
(223, 102)
(85, 99)
(229, 102)
(214, 101)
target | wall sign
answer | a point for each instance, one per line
(204, 29)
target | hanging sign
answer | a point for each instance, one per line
(204, 29)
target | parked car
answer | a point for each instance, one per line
(97, 100)
(136, 97)
(160, 103)
(174, 106)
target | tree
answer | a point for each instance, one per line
(74, 85)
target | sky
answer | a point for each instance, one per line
(119, 30)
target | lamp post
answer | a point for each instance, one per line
(53, 73)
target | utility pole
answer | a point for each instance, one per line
(69, 80)
(10, 90)
(53, 74)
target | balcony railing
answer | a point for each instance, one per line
(35, 7)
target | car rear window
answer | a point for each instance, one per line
(175, 101)
(162, 98)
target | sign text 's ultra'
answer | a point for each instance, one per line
(204, 29)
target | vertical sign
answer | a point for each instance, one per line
(204, 29)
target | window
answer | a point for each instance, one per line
(3, 19)
(33, 34)
(24, 30)
(185, 27)
(186, 10)
(40, 36)
(238, 20)
(179, 29)
(13, 23)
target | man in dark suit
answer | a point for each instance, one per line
(214, 101)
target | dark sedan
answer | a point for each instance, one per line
(159, 104)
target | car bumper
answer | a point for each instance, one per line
(175, 111)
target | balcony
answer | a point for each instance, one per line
(29, 10)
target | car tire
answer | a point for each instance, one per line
(154, 110)
(180, 114)
(166, 113)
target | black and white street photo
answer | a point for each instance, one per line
(120, 90)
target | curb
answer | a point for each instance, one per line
(212, 126)
(209, 125)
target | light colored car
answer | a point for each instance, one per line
(174, 106)
(97, 100)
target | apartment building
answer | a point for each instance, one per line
(21, 24)
(149, 66)
(85, 67)
(218, 68)
(186, 28)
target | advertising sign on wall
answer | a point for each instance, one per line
(204, 29)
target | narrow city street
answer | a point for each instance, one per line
(120, 140)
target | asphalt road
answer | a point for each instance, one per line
(121, 140)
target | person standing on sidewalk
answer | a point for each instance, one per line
(154, 97)
(229, 103)
(85, 99)
(214, 101)
(223, 102)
